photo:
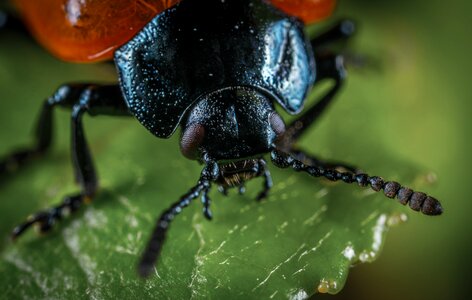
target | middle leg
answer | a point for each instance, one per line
(94, 100)
(329, 66)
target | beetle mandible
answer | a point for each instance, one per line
(217, 69)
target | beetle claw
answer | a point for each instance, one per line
(223, 190)
(241, 189)
(45, 220)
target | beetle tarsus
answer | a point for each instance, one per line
(82, 98)
(16, 159)
(46, 219)
(417, 201)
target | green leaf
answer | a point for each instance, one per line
(303, 239)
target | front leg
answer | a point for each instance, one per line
(88, 98)
(154, 247)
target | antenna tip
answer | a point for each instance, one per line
(431, 207)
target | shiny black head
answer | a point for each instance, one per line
(230, 123)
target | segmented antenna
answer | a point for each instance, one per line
(417, 201)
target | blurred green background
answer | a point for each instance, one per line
(424, 98)
(412, 101)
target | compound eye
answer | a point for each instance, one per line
(191, 140)
(277, 124)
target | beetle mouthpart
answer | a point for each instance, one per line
(191, 140)
(236, 173)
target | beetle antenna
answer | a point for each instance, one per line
(154, 246)
(417, 200)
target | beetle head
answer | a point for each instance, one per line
(229, 124)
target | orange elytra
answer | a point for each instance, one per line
(91, 30)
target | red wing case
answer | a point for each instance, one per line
(309, 11)
(87, 30)
(91, 30)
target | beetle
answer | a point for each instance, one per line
(218, 69)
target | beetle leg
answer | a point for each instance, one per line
(46, 219)
(242, 189)
(10, 22)
(43, 133)
(328, 67)
(417, 201)
(223, 189)
(206, 201)
(341, 31)
(94, 100)
(267, 185)
(154, 246)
